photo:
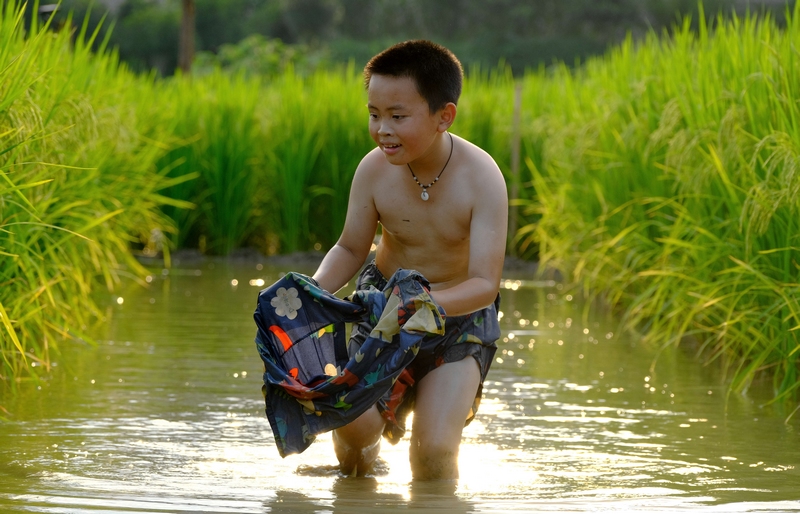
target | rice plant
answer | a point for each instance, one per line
(668, 183)
(216, 137)
(78, 186)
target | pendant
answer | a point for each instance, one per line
(424, 195)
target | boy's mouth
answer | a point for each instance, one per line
(390, 148)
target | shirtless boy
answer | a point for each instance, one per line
(442, 206)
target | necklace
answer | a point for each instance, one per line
(425, 194)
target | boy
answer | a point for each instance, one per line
(442, 206)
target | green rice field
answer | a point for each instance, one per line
(662, 179)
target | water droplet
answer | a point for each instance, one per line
(120, 300)
(234, 282)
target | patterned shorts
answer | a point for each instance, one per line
(435, 350)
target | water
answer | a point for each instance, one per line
(166, 415)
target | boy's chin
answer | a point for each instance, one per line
(396, 158)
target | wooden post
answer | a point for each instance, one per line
(515, 149)
(186, 44)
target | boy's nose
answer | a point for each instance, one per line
(384, 130)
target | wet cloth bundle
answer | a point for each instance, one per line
(311, 385)
(317, 379)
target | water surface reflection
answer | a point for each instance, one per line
(166, 416)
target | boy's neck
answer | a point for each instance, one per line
(431, 164)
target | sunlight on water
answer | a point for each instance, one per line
(166, 415)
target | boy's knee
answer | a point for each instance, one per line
(355, 459)
(357, 444)
(362, 431)
(432, 460)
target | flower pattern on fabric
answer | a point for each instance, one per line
(286, 302)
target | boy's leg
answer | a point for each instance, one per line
(443, 401)
(358, 443)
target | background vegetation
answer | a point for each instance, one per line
(662, 176)
(668, 183)
(78, 185)
(522, 33)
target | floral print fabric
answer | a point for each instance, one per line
(312, 383)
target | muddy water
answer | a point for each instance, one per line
(166, 415)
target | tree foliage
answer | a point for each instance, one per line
(523, 33)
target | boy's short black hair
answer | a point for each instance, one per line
(434, 68)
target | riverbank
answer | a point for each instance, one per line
(308, 260)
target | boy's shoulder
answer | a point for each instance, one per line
(475, 156)
(476, 167)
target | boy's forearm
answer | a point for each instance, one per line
(467, 297)
(337, 268)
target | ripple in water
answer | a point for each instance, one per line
(167, 416)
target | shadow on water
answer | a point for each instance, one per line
(363, 495)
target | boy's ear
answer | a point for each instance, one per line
(447, 116)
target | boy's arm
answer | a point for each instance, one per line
(487, 248)
(347, 256)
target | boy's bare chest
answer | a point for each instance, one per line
(442, 220)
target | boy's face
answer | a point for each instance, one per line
(400, 121)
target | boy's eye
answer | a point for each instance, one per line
(397, 116)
